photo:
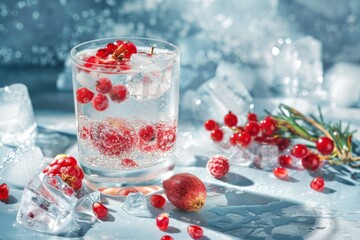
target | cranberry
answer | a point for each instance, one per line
(157, 200)
(268, 126)
(285, 160)
(100, 102)
(103, 85)
(252, 117)
(124, 50)
(127, 162)
(100, 210)
(253, 128)
(210, 125)
(130, 49)
(230, 119)
(90, 61)
(110, 48)
(166, 237)
(162, 221)
(317, 184)
(118, 93)
(195, 231)
(4, 192)
(147, 133)
(325, 145)
(217, 135)
(299, 150)
(280, 172)
(234, 138)
(244, 138)
(311, 161)
(102, 53)
(84, 95)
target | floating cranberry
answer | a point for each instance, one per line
(102, 53)
(166, 237)
(162, 221)
(317, 184)
(280, 172)
(252, 117)
(147, 133)
(210, 125)
(124, 50)
(157, 200)
(84, 95)
(325, 145)
(244, 139)
(118, 93)
(4, 192)
(253, 128)
(195, 231)
(99, 210)
(285, 160)
(127, 162)
(299, 150)
(230, 119)
(103, 85)
(130, 49)
(311, 161)
(110, 48)
(90, 61)
(217, 135)
(100, 102)
(268, 126)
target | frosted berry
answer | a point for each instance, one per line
(244, 139)
(84, 95)
(311, 161)
(280, 172)
(99, 210)
(162, 221)
(285, 160)
(253, 128)
(317, 184)
(4, 192)
(118, 93)
(166, 237)
(268, 126)
(157, 200)
(103, 85)
(195, 231)
(218, 166)
(252, 117)
(210, 125)
(299, 150)
(147, 133)
(325, 145)
(217, 135)
(165, 136)
(100, 102)
(230, 119)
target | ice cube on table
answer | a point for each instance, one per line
(21, 165)
(135, 204)
(266, 156)
(47, 205)
(17, 122)
(184, 150)
(241, 156)
(83, 208)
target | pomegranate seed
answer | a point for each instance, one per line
(84, 95)
(230, 119)
(325, 145)
(157, 200)
(126, 162)
(268, 126)
(130, 49)
(210, 125)
(100, 102)
(195, 231)
(252, 117)
(118, 42)
(234, 138)
(285, 160)
(89, 62)
(280, 172)
(299, 150)
(103, 85)
(253, 128)
(311, 161)
(99, 210)
(317, 184)
(166, 237)
(118, 93)
(147, 133)
(4, 192)
(244, 138)
(102, 53)
(217, 135)
(162, 221)
(110, 48)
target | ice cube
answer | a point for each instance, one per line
(21, 165)
(47, 206)
(184, 150)
(135, 204)
(17, 122)
(83, 208)
(267, 156)
(241, 156)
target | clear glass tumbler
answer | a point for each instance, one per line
(126, 105)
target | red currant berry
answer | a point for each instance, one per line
(103, 85)
(268, 126)
(110, 48)
(147, 133)
(230, 119)
(102, 53)
(252, 117)
(166, 237)
(217, 135)
(129, 163)
(84, 95)
(157, 200)
(90, 61)
(299, 150)
(325, 145)
(280, 172)
(317, 184)
(253, 128)
(195, 231)
(130, 49)
(162, 221)
(118, 42)
(285, 160)
(118, 93)
(99, 210)
(210, 125)
(311, 161)
(4, 192)
(234, 138)
(100, 102)
(244, 139)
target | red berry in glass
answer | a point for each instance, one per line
(165, 136)
(118, 93)
(217, 135)
(124, 50)
(110, 48)
(268, 126)
(195, 231)
(285, 160)
(84, 95)
(230, 119)
(4, 192)
(253, 128)
(299, 150)
(100, 102)
(100, 210)
(129, 163)
(325, 145)
(234, 138)
(280, 172)
(317, 184)
(252, 117)
(103, 85)
(90, 61)
(244, 139)
(147, 133)
(311, 161)
(162, 221)
(210, 125)
(166, 237)
(102, 53)
(157, 200)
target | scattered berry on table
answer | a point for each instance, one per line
(99, 210)
(285, 160)
(325, 145)
(157, 200)
(195, 231)
(4, 192)
(162, 221)
(317, 184)
(280, 172)
(311, 161)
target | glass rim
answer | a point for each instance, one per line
(77, 61)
